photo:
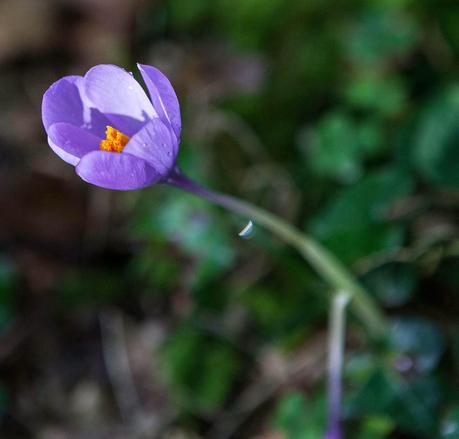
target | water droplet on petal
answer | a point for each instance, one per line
(247, 231)
(132, 74)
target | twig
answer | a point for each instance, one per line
(264, 389)
(117, 364)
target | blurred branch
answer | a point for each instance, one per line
(139, 423)
(117, 363)
(429, 255)
(309, 362)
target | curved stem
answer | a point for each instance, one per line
(324, 262)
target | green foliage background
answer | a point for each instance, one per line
(342, 117)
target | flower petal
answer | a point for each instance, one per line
(62, 103)
(118, 171)
(95, 122)
(119, 96)
(65, 101)
(75, 141)
(156, 144)
(163, 96)
(69, 158)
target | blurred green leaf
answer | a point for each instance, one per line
(299, 418)
(436, 139)
(416, 406)
(408, 398)
(355, 222)
(332, 149)
(359, 367)
(370, 133)
(282, 315)
(200, 369)
(393, 4)
(237, 16)
(156, 266)
(450, 424)
(384, 95)
(373, 395)
(338, 146)
(285, 307)
(419, 339)
(375, 427)
(381, 34)
(411, 404)
(188, 15)
(191, 224)
(393, 283)
(448, 20)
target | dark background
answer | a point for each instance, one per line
(143, 314)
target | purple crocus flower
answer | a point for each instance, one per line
(104, 124)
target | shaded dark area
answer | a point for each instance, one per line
(144, 314)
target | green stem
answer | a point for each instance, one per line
(324, 262)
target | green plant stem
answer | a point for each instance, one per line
(324, 262)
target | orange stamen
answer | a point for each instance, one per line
(115, 140)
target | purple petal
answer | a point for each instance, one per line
(119, 97)
(95, 122)
(156, 144)
(65, 101)
(69, 158)
(163, 97)
(118, 171)
(74, 141)
(62, 103)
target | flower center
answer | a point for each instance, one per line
(115, 140)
